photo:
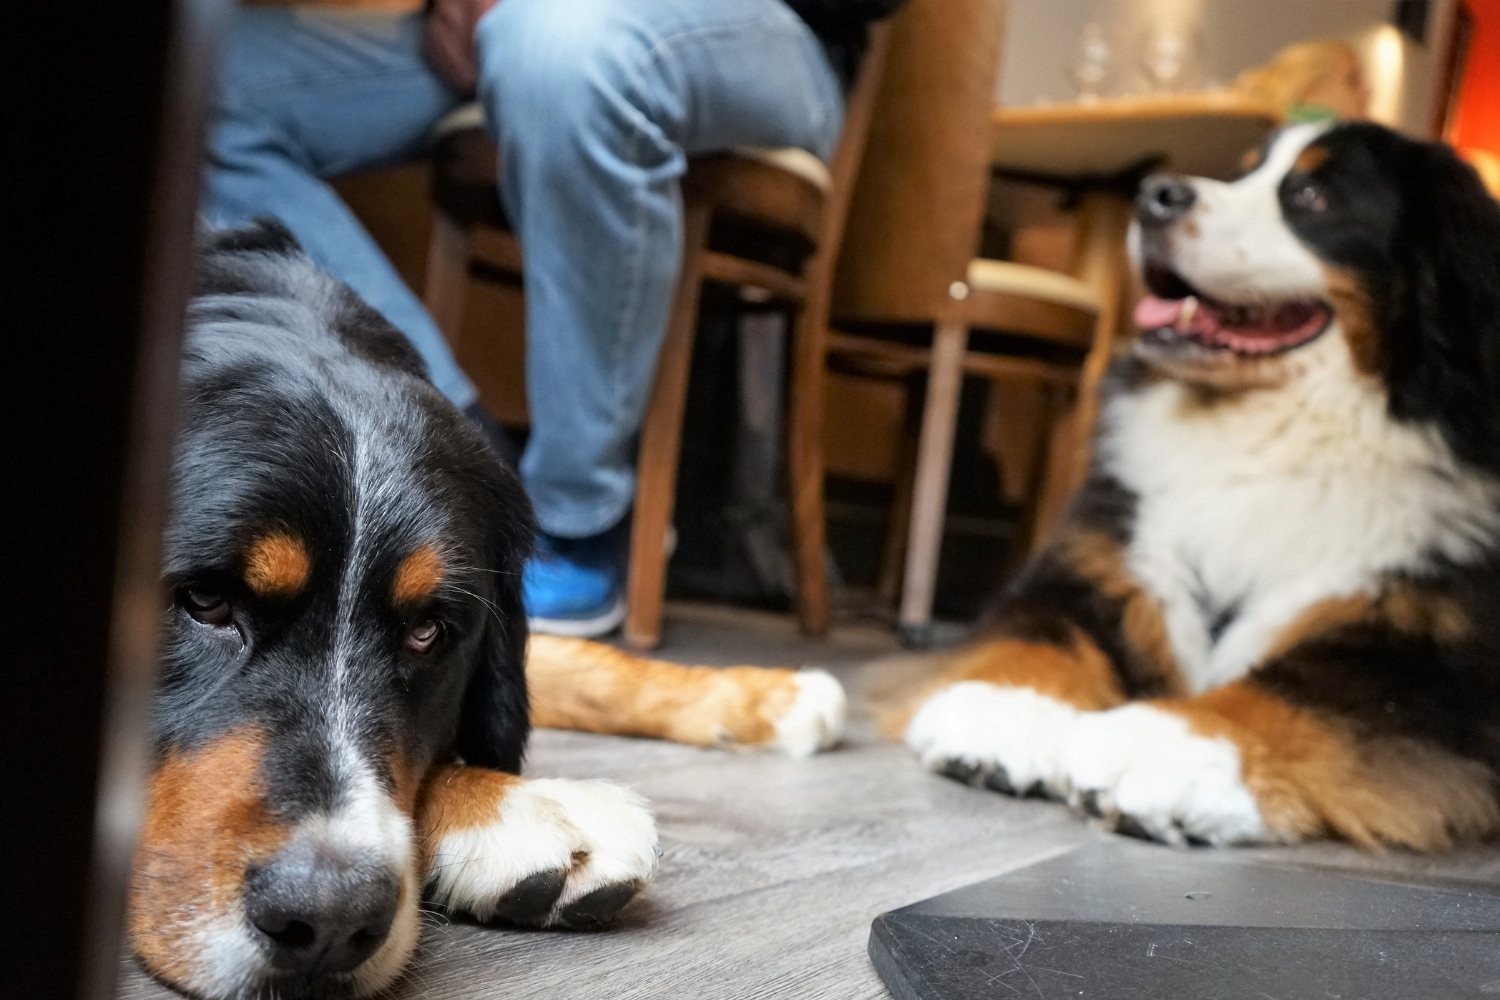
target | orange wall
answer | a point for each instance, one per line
(1476, 124)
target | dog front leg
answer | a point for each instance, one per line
(1078, 634)
(542, 852)
(1380, 725)
(588, 686)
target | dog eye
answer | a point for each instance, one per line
(1310, 197)
(206, 605)
(422, 636)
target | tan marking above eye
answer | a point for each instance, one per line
(1311, 159)
(417, 576)
(277, 565)
(1251, 159)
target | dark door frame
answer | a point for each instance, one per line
(108, 147)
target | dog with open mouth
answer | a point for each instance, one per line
(1271, 612)
(346, 685)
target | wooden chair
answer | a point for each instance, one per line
(910, 294)
(767, 222)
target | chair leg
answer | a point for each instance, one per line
(806, 463)
(930, 494)
(447, 276)
(1072, 440)
(1101, 262)
(661, 443)
(893, 549)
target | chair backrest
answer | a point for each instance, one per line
(858, 113)
(914, 221)
(847, 156)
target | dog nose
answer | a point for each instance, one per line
(320, 913)
(1164, 198)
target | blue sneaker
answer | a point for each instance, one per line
(575, 587)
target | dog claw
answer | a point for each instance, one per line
(998, 780)
(1129, 826)
(598, 908)
(961, 771)
(532, 898)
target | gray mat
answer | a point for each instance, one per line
(1121, 921)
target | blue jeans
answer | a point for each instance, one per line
(595, 105)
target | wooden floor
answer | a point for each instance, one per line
(773, 868)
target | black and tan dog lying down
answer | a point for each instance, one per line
(1273, 613)
(342, 706)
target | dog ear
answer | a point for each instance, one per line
(495, 721)
(1444, 355)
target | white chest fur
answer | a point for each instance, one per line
(1270, 503)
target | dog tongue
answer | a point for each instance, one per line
(1152, 313)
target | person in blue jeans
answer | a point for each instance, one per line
(596, 106)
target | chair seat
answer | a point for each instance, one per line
(791, 160)
(1010, 308)
(461, 119)
(1045, 305)
(1003, 277)
(776, 188)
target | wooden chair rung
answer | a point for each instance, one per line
(727, 269)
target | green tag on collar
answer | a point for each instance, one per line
(1310, 113)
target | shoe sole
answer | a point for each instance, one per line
(592, 627)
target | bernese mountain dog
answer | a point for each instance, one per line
(342, 705)
(1273, 611)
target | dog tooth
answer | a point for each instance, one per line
(1186, 313)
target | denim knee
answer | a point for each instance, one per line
(581, 60)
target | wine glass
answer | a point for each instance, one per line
(1170, 58)
(1091, 64)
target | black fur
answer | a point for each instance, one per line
(1384, 681)
(1051, 601)
(305, 413)
(1418, 227)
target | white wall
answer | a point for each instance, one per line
(1042, 39)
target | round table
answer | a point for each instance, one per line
(1191, 133)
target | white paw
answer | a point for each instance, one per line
(815, 720)
(1146, 773)
(1009, 739)
(557, 853)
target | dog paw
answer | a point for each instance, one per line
(551, 853)
(798, 712)
(1145, 773)
(1009, 739)
(814, 719)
